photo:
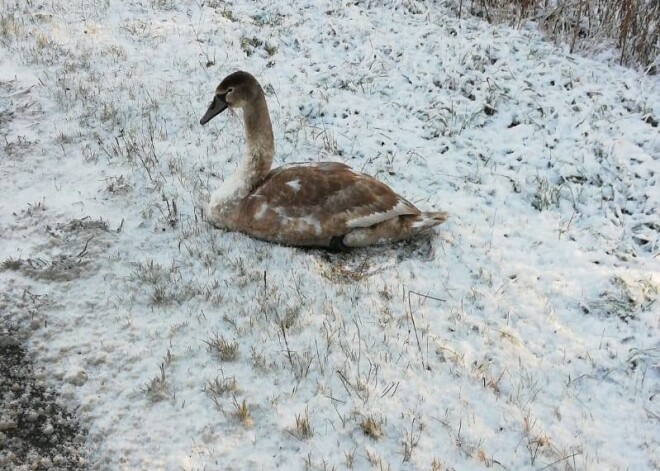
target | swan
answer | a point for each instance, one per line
(322, 204)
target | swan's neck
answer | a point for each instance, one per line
(255, 164)
(258, 156)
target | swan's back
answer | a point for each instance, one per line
(315, 204)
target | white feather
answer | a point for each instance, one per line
(295, 185)
(368, 220)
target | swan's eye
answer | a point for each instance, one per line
(229, 90)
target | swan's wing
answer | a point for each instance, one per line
(330, 198)
(333, 191)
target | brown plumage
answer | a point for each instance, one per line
(313, 204)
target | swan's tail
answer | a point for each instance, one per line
(429, 219)
(392, 230)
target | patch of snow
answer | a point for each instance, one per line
(527, 337)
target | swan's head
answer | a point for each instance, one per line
(235, 91)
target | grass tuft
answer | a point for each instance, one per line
(625, 299)
(371, 427)
(157, 388)
(545, 194)
(12, 264)
(223, 348)
(218, 387)
(242, 413)
(304, 428)
(222, 386)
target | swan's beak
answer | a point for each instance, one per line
(217, 106)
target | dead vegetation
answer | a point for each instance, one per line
(303, 429)
(371, 427)
(624, 298)
(630, 25)
(81, 240)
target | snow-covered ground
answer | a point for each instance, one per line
(525, 335)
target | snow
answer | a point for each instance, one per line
(525, 335)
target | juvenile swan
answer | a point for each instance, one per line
(323, 204)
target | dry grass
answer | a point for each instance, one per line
(242, 413)
(218, 387)
(371, 427)
(303, 428)
(624, 298)
(158, 388)
(225, 350)
(631, 25)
